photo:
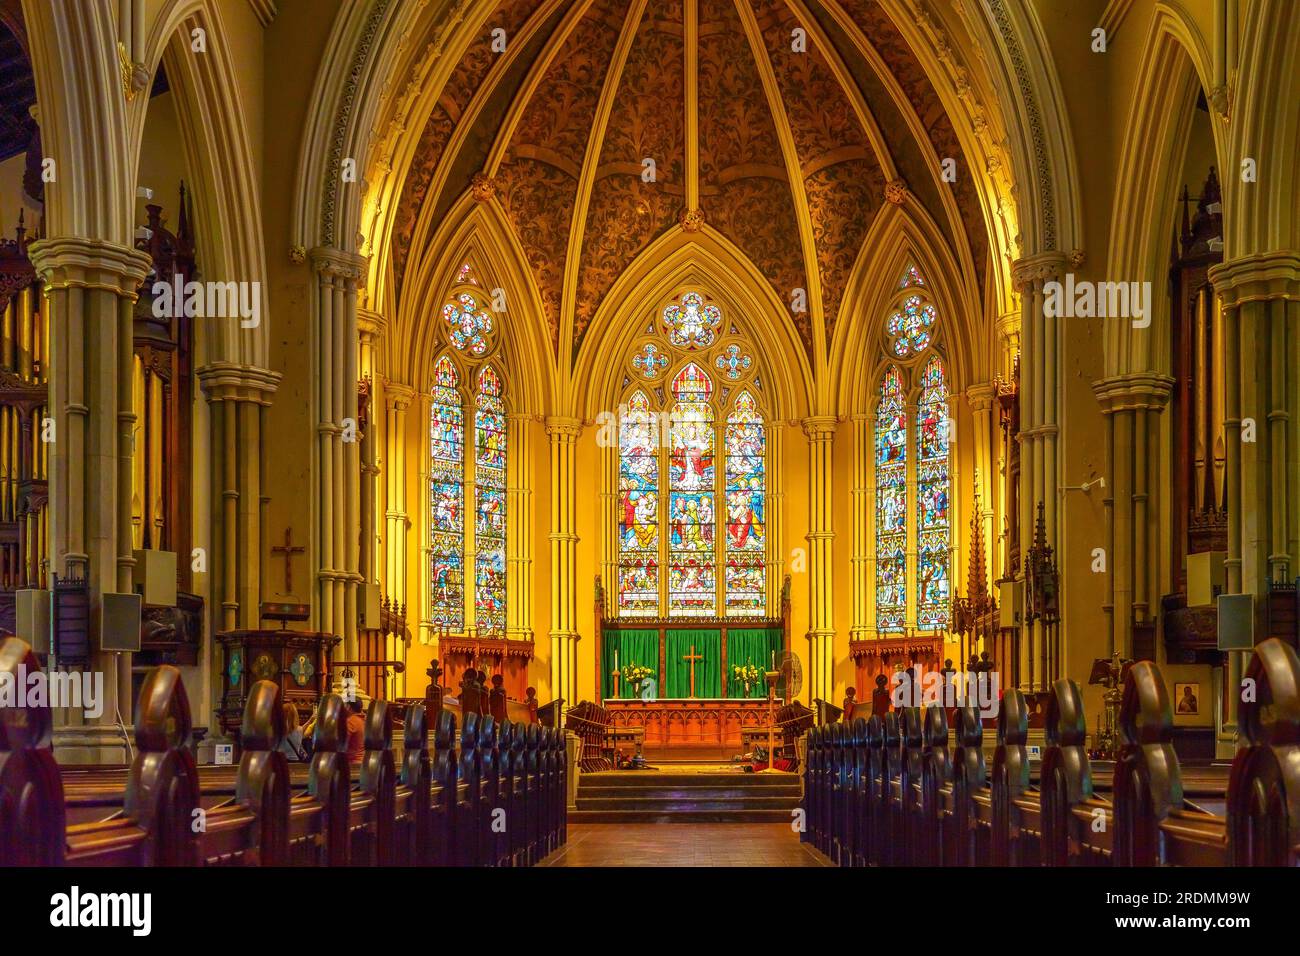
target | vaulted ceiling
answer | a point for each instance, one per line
(785, 151)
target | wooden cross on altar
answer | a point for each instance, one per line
(691, 658)
(289, 549)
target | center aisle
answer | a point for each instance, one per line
(684, 844)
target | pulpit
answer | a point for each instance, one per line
(296, 661)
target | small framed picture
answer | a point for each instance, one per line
(1187, 699)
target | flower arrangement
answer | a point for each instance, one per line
(634, 674)
(746, 674)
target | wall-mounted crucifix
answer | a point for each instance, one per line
(288, 549)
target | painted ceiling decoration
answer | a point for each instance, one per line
(788, 152)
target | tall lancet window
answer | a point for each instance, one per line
(692, 580)
(638, 503)
(746, 495)
(891, 505)
(693, 391)
(467, 470)
(932, 488)
(447, 497)
(489, 505)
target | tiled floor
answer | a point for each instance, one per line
(684, 844)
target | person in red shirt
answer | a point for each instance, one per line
(356, 726)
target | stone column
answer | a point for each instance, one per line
(237, 398)
(519, 529)
(980, 399)
(1132, 405)
(370, 332)
(1038, 406)
(864, 493)
(563, 434)
(1260, 296)
(90, 290)
(338, 475)
(820, 431)
(397, 399)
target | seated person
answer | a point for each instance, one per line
(291, 745)
(356, 724)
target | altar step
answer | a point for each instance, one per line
(632, 796)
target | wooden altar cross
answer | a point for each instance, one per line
(289, 549)
(691, 658)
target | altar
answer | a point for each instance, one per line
(691, 729)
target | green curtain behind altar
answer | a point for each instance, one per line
(708, 672)
(634, 647)
(752, 645)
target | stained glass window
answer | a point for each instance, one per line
(692, 588)
(891, 505)
(932, 526)
(909, 327)
(911, 276)
(468, 326)
(638, 499)
(489, 505)
(746, 528)
(692, 536)
(692, 324)
(446, 498)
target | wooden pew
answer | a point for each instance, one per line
(265, 811)
(154, 826)
(913, 802)
(966, 842)
(1264, 789)
(32, 818)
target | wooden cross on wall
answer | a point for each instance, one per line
(691, 658)
(288, 549)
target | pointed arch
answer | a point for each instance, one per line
(898, 240)
(476, 232)
(706, 261)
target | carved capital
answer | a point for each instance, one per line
(1030, 272)
(563, 428)
(397, 395)
(1138, 390)
(981, 396)
(338, 264)
(1257, 278)
(68, 262)
(230, 382)
(819, 427)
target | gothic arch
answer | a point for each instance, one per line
(477, 231)
(1174, 66)
(226, 187)
(896, 239)
(705, 260)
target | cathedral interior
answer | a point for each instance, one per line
(655, 380)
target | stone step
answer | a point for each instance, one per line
(688, 793)
(653, 778)
(679, 816)
(676, 803)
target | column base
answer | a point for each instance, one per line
(90, 744)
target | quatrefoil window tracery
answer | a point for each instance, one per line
(469, 326)
(692, 324)
(909, 327)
